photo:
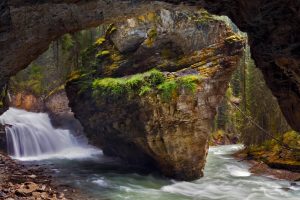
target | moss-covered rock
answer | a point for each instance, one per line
(151, 100)
(282, 153)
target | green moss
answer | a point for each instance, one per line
(145, 90)
(135, 81)
(102, 53)
(151, 36)
(141, 84)
(189, 82)
(60, 88)
(109, 86)
(272, 152)
(110, 30)
(204, 18)
(135, 84)
(155, 77)
(168, 89)
(292, 138)
(100, 41)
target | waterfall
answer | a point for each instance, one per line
(30, 136)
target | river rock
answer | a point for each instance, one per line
(26, 189)
(169, 134)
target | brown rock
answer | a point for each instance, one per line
(274, 38)
(168, 134)
(26, 189)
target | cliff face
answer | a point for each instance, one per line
(27, 101)
(158, 119)
(56, 105)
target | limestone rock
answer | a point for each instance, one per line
(169, 134)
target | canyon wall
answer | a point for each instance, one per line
(27, 28)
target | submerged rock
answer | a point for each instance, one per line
(158, 119)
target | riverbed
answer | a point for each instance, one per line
(75, 164)
(100, 177)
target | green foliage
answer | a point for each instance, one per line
(135, 81)
(30, 80)
(248, 92)
(102, 53)
(292, 139)
(155, 77)
(189, 82)
(67, 42)
(168, 89)
(142, 84)
(100, 41)
(145, 90)
(135, 84)
(109, 86)
(110, 30)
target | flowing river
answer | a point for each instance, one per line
(84, 167)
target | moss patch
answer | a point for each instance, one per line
(135, 84)
(275, 155)
(144, 83)
(151, 36)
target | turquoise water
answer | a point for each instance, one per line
(225, 178)
(75, 163)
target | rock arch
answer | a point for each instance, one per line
(28, 26)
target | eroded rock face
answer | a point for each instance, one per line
(272, 26)
(61, 115)
(148, 129)
(27, 101)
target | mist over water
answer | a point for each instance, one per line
(32, 139)
(30, 136)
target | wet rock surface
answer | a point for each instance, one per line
(263, 165)
(57, 106)
(26, 182)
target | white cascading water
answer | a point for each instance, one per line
(30, 136)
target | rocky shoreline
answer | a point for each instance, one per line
(18, 181)
(262, 169)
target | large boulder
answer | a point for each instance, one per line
(158, 119)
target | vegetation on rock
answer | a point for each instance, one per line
(282, 152)
(144, 83)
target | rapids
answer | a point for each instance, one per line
(33, 140)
